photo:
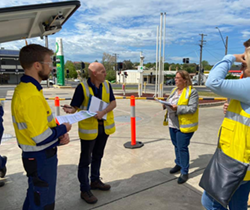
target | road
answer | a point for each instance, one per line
(7, 90)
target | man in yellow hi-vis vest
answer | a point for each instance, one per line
(93, 131)
(36, 130)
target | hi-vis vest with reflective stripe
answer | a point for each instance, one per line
(32, 118)
(88, 129)
(188, 122)
(234, 134)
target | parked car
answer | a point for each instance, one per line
(194, 82)
(77, 80)
(44, 82)
(170, 82)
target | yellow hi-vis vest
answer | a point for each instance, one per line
(188, 122)
(32, 118)
(88, 129)
(234, 134)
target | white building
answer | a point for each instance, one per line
(133, 76)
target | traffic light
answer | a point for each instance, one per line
(55, 60)
(82, 65)
(119, 72)
(125, 74)
(185, 60)
(67, 73)
(197, 69)
(119, 66)
(54, 71)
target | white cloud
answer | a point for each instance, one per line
(245, 34)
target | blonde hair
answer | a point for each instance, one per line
(185, 75)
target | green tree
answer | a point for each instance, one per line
(136, 64)
(108, 61)
(127, 64)
(166, 66)
(230, 76)
(72, 70)
(110, 75)
(206, 65)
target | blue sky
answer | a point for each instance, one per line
(126, 27)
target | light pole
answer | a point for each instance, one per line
(225, 44)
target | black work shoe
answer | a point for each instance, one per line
(4, 169)
(175, 169)
(182, 178)
(99, 185)
(2, 184)
(88, 197)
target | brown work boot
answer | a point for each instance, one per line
(99, 185)
(88, 197)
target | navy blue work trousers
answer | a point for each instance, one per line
(91, 153)
(41, 168)
(181, 141)
(2, 161)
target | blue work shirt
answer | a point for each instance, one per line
(56, 131)
(79, 96)
(237, 89)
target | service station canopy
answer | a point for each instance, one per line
(38, 20)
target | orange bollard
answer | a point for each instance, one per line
(132, 120)
(57, 105)
(133, 144)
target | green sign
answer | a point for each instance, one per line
(60, 70)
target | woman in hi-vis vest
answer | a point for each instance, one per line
(182, 119)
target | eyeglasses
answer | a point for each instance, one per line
(49, 63)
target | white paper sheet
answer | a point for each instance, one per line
(97, 104)
(76, 117)
(167, 104)
(164, 102)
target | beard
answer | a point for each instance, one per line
(42, 75)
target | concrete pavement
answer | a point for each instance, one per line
(139, 177)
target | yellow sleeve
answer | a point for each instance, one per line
(35, 117)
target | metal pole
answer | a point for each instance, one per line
(226, 45)
(46, 41)
(160, 61)
(163, 56)
(47, 45)
(156, 64)
(201, 45)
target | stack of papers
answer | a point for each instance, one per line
(73, 118)
(97, 105)
(167, 104)
(164, 102)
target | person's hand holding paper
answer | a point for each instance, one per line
(100, 114)
(97, 106)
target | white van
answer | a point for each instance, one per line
(44, 82)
